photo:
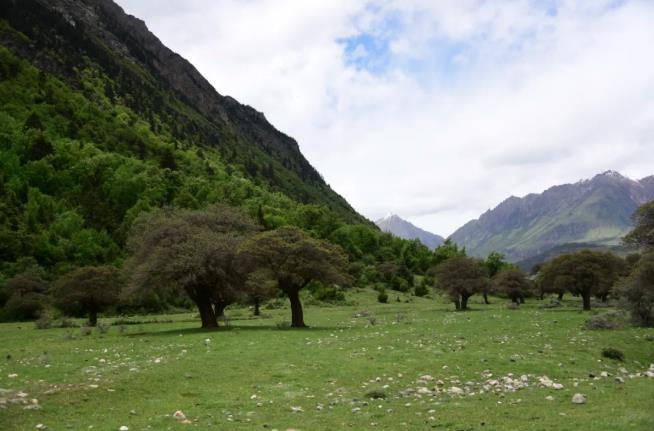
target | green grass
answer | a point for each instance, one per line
(250, 375)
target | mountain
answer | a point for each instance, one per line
(87, 43)
(401, 228)
(596, 212)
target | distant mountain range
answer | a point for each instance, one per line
(399, 227)
(595, 212)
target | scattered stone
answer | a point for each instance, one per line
(454, 390)
(123, 428)
(12, 376)
(179, 415)
(296, 409)
(557, 386)
(41, 427)
(549, 398)
(579, 399)
(619, 380)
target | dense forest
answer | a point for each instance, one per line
(78, 166)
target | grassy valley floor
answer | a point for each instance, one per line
(432, 368)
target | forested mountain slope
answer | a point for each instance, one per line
(100, 122)
(73, 39)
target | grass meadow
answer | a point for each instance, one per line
(404, 365)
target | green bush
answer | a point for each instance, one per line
(382, 297)
(612, 353)
(420, 290)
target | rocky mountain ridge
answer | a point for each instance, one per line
(595, 211)
(399, 227)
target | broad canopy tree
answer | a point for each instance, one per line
(90, 290)
(191, 252)
(585, 273)
(293, 259)
(642, 235)
(461, 277)
(513, 283)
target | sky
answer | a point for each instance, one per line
(433, 110)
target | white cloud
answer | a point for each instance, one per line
(458, 106)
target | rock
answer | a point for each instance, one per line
(41, 427)
(623, 370)
(549, 398)
(545, 381)
(455, 391)
(123, 428)
(179, 415)
(604, 374)
(557, 386)
(427, 378)
(619, 380)
(424, 391)
(296, 409)
(579, 399)
(12, 376)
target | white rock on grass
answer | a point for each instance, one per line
(41, 427)
(455, 391)
(123, 428)
(557, 386)
(579, 399)
(179, 415)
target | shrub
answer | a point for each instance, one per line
(45, 321)
(421, 290)
(382, 297)
(637, 292)
(610, 320)
(329, 294)
(376, 394)
(612, 353)
(103, 328)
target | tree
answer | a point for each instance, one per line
(637, 291)
(89, 289)
(190, 252)
(513, 283)
(294, 259)
(494, 263)
(259, 286)
(585, 273)
(642, 235)
(26, 296)
(461, 277)
(447, 250)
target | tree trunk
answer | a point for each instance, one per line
(486, 298)
(207, 314)
(257, 312)
(521, 299)
(220, 308)
(297, 317)
(560, 296)
(93, 318)
(515, 299)
(586, 298)
(457, 303)
(464, 302)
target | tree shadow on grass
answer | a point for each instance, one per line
(234, 328)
